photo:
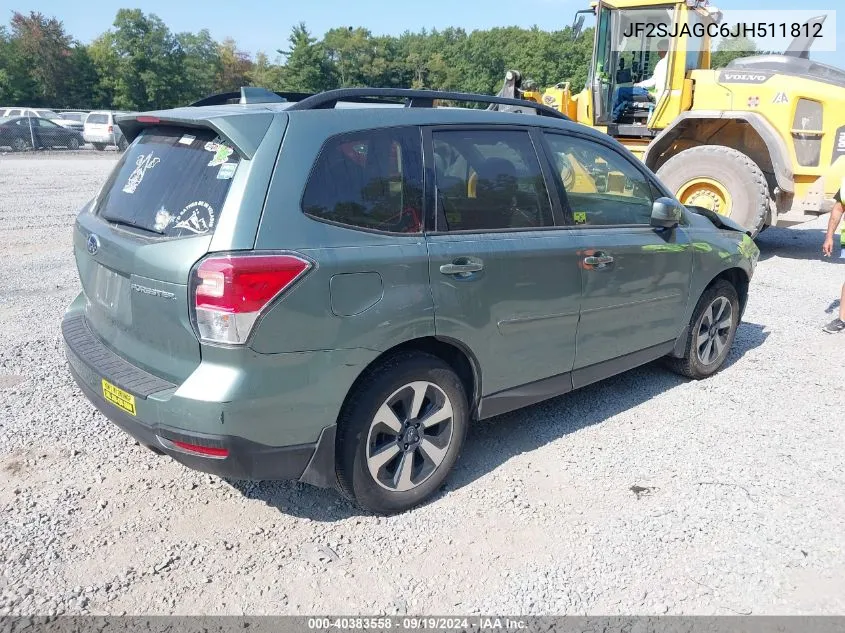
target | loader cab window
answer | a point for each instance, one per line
(628, 76)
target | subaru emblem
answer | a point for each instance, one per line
(93, 244)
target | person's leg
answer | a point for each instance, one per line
(838, 325)
(842, 304)
(624, 96)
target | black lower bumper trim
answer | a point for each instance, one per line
(245, 459)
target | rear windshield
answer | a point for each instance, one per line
(171, 181)
(97, 118)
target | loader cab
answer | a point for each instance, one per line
(630, 40)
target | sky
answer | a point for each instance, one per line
(264, 25)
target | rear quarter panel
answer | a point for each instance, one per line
(366, 290)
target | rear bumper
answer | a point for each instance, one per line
(245, 459)
(274, 423)
(90, 137)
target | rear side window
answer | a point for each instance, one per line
(97, 118)
(489, 180)
(369, 180)
(171, 181)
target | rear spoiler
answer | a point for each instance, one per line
(720, 221)
(244, 130)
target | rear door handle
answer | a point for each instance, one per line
(462, 266)
(601, 260)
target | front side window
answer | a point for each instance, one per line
(489, 180)
(602, 187)
(370, 179)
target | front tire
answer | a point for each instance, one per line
(401, 433)
(711, 332)
(20, 145)
(73, 144)
(722, 179)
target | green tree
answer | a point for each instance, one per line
(235, 67)
(732, 48)
(105, 61)
(201, 66)
(41, 50)
(82, 80)
(8, 77)
(265, 74)
(307, 67)
(150, 62)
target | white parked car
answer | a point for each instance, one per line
(101, 130)
(39, 113)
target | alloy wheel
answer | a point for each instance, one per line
(714, 329)
(409, 436)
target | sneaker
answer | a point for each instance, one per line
(835, 326)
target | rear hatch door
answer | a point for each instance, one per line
(97, 124)
(136, 243)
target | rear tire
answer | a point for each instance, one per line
(388, 458)
(20, 145)
(711, 332)
(99, 146)
(735, 172)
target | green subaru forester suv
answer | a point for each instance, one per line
(331, 289)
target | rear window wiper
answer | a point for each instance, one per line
(121, 222)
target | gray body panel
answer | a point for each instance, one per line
(519, 315)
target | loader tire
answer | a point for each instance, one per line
(722, 179)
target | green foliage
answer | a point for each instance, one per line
(235, 67)
(732, 48)
(201, 67)
(307, 67)
(41, 51)
(139, 64)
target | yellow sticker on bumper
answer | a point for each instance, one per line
(118, 397)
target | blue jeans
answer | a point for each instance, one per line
(625, 96)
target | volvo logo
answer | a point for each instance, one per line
(93, 244)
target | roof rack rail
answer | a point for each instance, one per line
(414, 99)
(251, 94)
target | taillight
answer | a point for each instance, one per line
(111, 129)
(229, 292)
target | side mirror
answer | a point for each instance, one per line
(666, 213)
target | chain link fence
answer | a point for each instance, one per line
(21, 134)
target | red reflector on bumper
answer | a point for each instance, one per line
(204, 451)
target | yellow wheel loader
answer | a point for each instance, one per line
(761, 140)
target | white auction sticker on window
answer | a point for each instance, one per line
(226, 171)
(187, 139)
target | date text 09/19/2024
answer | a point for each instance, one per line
(477, 623)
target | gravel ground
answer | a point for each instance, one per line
(641, 494)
